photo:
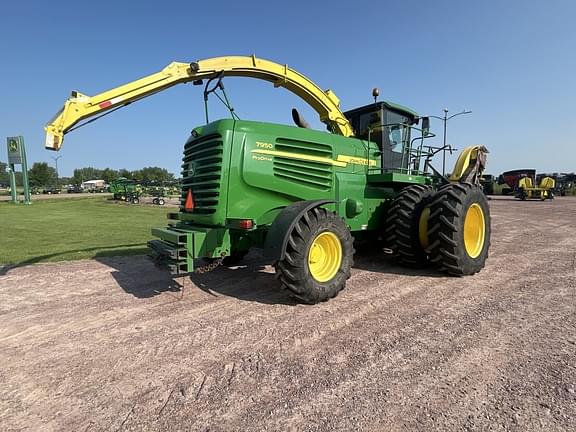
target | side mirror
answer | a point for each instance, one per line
(425, 126)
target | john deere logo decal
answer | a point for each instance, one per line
(191, 170)
(12, 146)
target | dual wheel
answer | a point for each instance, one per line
(448, 227)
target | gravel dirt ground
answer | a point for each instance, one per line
(113, 344)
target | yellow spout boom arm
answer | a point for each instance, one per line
(81, 107)
(470, 165)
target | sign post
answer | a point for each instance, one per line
(17, 156)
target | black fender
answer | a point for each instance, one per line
(277, 237)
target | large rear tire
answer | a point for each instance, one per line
(459, 229)
(407, 225)
(318, 257)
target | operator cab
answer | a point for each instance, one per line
(387, 125)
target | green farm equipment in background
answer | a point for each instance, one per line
(125, 190)
(159, 200)
(487, 181)
(159, 194)
(131, 191)
(304, 196)
(160, 191)
(566, 184)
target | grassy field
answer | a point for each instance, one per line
(74, 228)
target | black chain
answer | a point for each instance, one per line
(213, 265)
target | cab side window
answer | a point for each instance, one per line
(370, 127)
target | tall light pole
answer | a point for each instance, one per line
(57, 175)
(445, 120)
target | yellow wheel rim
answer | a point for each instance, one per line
(474, 230)
(325, 256)
(423, 227)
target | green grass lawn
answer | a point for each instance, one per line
(74, 228)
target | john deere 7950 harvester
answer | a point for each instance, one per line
(304, 195)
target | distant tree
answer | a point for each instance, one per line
(136, 175)
(109, 175)
(125, 173)
(147, 174)
(4, 177)
(66, 180)
(84, 174)
(153, 174)
(41, 174)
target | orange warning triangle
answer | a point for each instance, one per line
(189, 205)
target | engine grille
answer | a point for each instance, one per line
(202, 172)
(317, 175)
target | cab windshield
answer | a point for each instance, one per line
(389, 130)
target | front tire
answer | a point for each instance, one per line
(459, 229)
(318, 257)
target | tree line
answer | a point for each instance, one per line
(42, 174)
(146, 174)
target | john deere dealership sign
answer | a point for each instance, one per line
(14, 151)
(17, 156)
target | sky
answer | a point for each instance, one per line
(511, 63)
